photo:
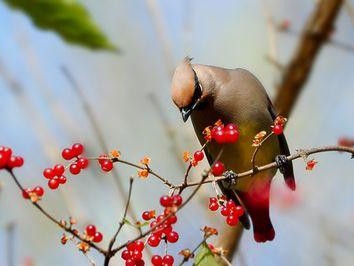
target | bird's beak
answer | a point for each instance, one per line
(187, 111)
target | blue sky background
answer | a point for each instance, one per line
(44, 116)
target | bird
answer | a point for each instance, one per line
(209, 93)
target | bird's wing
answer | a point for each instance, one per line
(284, 149)
(230, 194)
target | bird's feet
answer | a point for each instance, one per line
(282, 162)
(255, 169)
(231, 178)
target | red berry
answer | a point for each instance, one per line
(77, 149)
(39, 191)
(146, 215)
(277, 129)
(232, 220)
(5, 155)
(153, 224)
(176, 200)
(198, 156)
(165, 201)
(90, 230)
(154, 240)
(97, 237)
(62, 180)
(75, 169)
(67, 154)
(160, 218)
(156, 260)
(139, 262)
(83, 162)
(102, 158)
(125, 254)
(224, 211)
(168, 259)
(213, 199)
(218, 168)
(26, 192)
(3, 160)
(238, 211)
(167, 229)
(220, 136)
(59, 170)
(230, 204)
(231, 136)
(230, 126)
(53, 183)
(131, 246)
(137, 255)
(172, 237)
(107, 165)
(213, 206)
(172, 219)
(130, 262)
(139, 245)
(48, 173)
(15, 161)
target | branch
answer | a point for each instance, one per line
(57, 222)
(300, 154)
(122, 222)
(314, 35)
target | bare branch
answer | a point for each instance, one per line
(122, 222)
(57, 222)
(314, 35)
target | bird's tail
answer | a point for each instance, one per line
(256, 201)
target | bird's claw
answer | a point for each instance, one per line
(282, 162)
(255, 170)
(231, 178)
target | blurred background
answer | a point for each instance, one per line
(50, 91)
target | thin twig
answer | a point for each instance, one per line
(257, 149)
(57, 222)
(164, 180)
(193, 251)
(122, 222)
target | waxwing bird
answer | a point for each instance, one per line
(209, 93)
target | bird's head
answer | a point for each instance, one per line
(186, 89)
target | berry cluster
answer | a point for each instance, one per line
(162, 229)
(165, 230)
(80, 163)
(36, 192)
(225, 134)
(7, 160)
(55, 176)
(228, 209)
(133, 254)
(93, 234)
(105, 163)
